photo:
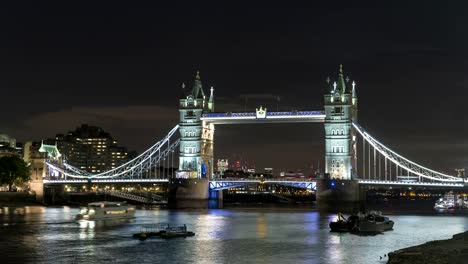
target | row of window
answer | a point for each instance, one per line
(337, 149)
(190, 150)
(337, 132)
(190, 134)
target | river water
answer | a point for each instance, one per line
(49, 235)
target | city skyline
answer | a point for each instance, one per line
(409, 71)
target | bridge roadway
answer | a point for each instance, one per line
(222, 184)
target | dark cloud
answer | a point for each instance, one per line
(135, 126)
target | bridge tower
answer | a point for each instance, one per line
(196, 137)
(340, 139)
(339, 190)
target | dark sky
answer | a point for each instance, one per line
(119, 65)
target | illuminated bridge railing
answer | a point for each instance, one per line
(411, 183)
(250, 117)
(106, 180)
(227, 184)
(253, 114)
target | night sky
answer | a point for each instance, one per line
(119, 65)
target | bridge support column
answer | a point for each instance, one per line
(338, 195)
(216, 199)
(37, 186)
(188, 193)
(54, 194)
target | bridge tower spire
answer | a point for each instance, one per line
(340, 148)
(211, 101)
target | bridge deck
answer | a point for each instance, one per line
(225, 183)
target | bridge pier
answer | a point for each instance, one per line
(37, 186)
(216, 199)
(54, 194)
(338, 195)
(188, 193)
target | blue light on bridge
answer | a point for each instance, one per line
(203, 171)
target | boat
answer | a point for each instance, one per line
(373, 223)
(163, 231)
(342, 224)
(451, 201)
(106, 210)
(362, 223)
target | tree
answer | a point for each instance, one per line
(13, 170)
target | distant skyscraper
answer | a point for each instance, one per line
(92, 149)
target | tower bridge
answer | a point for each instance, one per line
(372, 164)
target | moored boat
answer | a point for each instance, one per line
(342, 224)
(362, 223)
(163, 231)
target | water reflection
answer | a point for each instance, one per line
(222, 236)
(261, 226)
(87, 229)
(211, 224)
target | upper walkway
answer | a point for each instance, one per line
(264, 117)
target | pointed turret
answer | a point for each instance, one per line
(211, 100)
(197, 90)
(341, 81)
(353, 93)
(329, 86)
(183, 92)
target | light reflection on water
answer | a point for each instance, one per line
(42, 234)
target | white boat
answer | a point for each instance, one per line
(449, 201)
(106, 210)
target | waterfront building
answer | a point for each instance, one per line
(9, 146)
(92, 149)
(35, 155)
(460, 172)
(222, 166)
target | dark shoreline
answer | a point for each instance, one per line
(453, 250)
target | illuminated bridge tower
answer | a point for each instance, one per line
(196, 137)
(340, 186)
(340, 111)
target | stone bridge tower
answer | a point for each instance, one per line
(340, 138)
(196, 137)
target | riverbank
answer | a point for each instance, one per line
(17, 199)
(454, 250)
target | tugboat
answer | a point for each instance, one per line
(342, 224)
(362, 223)
(372, 223)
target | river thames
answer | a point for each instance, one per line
(50, 235)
